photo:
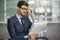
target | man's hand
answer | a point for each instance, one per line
(32, 36)
(31, 13)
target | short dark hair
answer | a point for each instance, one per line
(20, 3)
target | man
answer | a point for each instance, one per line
(18, 29)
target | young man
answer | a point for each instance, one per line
(19, 24)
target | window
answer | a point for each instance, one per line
(1, 10)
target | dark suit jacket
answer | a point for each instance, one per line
(16, 30)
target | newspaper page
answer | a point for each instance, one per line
(38, 27)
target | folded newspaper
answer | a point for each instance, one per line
(38, 27)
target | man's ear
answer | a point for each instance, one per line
(17, 8)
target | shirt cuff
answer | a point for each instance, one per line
(26, 36)
(35, 20)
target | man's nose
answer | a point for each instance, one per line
(25, 11)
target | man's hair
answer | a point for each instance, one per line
(20, 3)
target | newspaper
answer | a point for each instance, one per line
(38, 27)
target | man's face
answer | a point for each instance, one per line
(23, 10)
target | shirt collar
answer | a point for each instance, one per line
(18, 16)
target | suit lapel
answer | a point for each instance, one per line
(17, 21)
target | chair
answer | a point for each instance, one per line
(42, 38)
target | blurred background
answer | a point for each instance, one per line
(45, 10)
